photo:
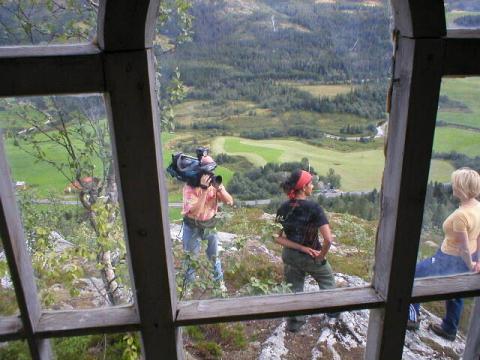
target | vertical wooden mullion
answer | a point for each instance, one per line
(472, 346)
(417, 79)
(19, 262)
(132, 110)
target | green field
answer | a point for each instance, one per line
(360, 170)
(449, 139)
(45, 178)
(321, 90)
(40, 175)
(467, 91)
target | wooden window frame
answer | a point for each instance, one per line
(121, 67)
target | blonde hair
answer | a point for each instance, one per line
(466, 183)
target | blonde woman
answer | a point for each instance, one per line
(459, 251)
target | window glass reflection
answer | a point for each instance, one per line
(270, 88)
(464, 14)
(317, 337)
(60, 155)
(450, 236)
(41, 22)
(8, 302)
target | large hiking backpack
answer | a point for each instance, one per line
(188, 169)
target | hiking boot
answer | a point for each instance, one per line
(437, 329)
(294, 325)
(333, 315)
(187, 293)
(413, 325)
(221, 289)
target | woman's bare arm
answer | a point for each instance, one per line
(476, 267)
(327, 240)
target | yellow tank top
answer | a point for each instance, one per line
(464, 219)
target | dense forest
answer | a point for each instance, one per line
(301, 41)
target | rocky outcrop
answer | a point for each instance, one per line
(345, 337)
(336, 339)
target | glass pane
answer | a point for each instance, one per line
(60, 156)
(451, 219)
(269, 89)
(8, 301)
(40, 22)
(98, 347)
(431, 338)
(462, 14)
(311, 337)
(14, 350)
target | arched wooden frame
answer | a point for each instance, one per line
(121, 67)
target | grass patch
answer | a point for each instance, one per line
(175, 214)
(254, 151)
(463, 141)
(8, 302)
(39, 175)
(465, 90)
(350, 264)
(244, 266)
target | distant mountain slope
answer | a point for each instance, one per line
(287, 39)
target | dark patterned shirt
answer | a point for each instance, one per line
(301, 220)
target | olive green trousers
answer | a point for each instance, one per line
(296, 266)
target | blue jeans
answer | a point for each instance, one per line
(191, 238)
(442, 264)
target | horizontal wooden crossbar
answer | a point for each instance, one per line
(125, 318)
(74, 323)
(447, 287)
(44, 70)
(82, 322)
(11, 328)
(273, 306)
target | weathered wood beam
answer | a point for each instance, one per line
(37, 70)
(11, 328)
(132, 111)
(419, 18)
(472, 346)
(127, 24)
(273, 306)
(417, 78)
(19, 262)
(448, 287)
(83, 322)
(462, 53)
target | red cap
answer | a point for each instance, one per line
(304, 179)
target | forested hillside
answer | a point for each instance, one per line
(247, 55)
